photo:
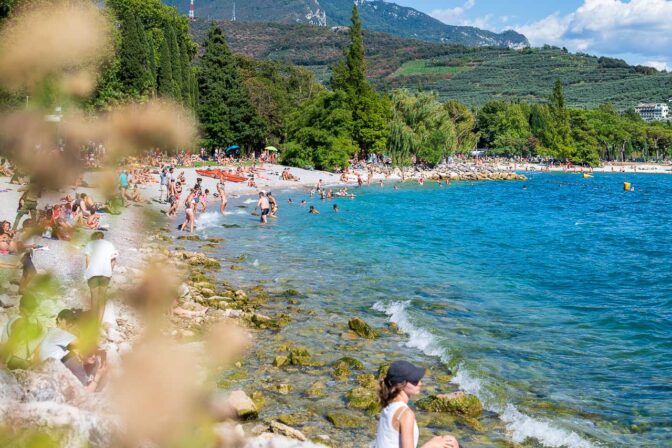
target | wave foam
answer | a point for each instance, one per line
(208, 220)
(520, 425)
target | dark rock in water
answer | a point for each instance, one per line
(316, 390)
(361, 328)
(341, 371)
(215, 240)
(280, 361)
(283, 389)
(351, 362)
(258, 399)
(298, 418)
(345, 420)
(300, 356)
(231, 226)
(364, 398)
(189, 238)
(291, 293)
(457, 403)
(367, 380)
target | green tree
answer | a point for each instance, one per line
(560, 142)
(175, 61)
(584, 136)
(224, 109)
(321, 133)
(165, 84)
(465, 125)
(186, 84)
(505, 128)
(420, 128)
(135, 72)
(370, 112)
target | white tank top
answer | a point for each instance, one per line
(387, 436)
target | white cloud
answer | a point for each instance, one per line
(658, 65)
(453, 16)
(484, 22)
(641, 27)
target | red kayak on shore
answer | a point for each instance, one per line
(221, 175)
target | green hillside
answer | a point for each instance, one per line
(471, 75)
(382, 16)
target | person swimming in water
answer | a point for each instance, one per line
(336, 208)
(313, 210)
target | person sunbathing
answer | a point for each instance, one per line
(91, 221)
(7, 244)
(61, 223)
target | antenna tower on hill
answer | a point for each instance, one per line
(192, 14)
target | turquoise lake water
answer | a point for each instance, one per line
(552, 298)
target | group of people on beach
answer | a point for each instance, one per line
(25, 340)
(67, 341)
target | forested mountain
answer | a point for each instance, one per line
(376, 16)
(471, 75)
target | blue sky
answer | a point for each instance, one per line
(639, 31)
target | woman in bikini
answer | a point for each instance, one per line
(190, 207)
(7, 245)
(222, 197)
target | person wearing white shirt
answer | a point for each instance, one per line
(55, 344)
(100, 257)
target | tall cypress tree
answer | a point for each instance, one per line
(355, 56)
(562, 134)
(225, 112)
(165, 71)
(370, 112)
(185, 71)
(149, 62)
(175, 61)
(134, 71)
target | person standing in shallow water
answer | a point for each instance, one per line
(397, 427)
(264, 205)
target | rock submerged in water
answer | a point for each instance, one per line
(345, 420)
(300, 356)
(316, 390)
(341, 371)
(361, 328)
(457, 403)
(350, 362)
(364, 398)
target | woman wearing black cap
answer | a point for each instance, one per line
(397, 427)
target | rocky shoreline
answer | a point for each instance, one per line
(327, 396)
(464, 172)
(282, 393)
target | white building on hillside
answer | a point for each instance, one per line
(653, 112)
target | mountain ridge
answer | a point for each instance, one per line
(376, 15)
(471, 75)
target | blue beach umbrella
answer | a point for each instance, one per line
(233, 149)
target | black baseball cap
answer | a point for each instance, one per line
(402, 371)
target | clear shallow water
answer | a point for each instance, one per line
(555, 301)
